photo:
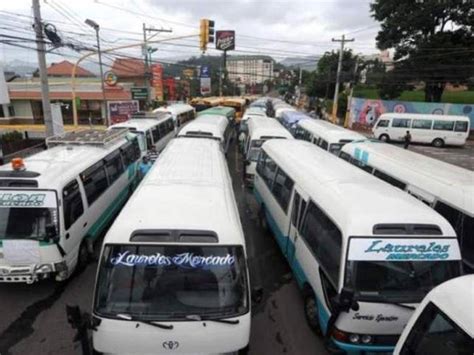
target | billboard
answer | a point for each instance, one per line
(157, 81)
(225, 40)
(120, 111)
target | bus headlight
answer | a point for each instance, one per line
(43, 269)
(366, 339)
(354, 338)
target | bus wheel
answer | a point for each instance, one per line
(82, 257)
(262, 218)
(384, 138)
(438, 143)
(311, 312)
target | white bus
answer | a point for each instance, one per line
(209, 126)
(260, 129)
(447, 188)
(182, 113)
(54, 204)
(325, 135)
(153, 134)
(437, 130)
(443, 323)
(363, 252)
(173, 274)
(252, 111)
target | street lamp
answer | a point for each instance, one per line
(96, 28)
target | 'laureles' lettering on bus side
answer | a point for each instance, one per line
(183, 260)
(433, 247)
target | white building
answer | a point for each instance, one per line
(249, 70)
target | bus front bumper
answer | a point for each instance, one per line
(33, 273)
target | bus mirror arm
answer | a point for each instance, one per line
(345, 300)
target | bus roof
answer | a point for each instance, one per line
(328, 131)
(60, 164)
(139, 124)
(292, 116)
(266, 127)
(190, 188)
(233, 100)
(424, 115)
(175, 109)
(359, 199)
(455, 298)
(218, 110)
(211, 124)
(451, 184)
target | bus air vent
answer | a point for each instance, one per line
(174, 236)
(406, 229)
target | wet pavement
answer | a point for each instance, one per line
(33, 318)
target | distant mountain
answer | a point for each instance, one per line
(19, 67)
(305, 63)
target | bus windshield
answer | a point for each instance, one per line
(171, 282)
(400, 269)
(28, 214)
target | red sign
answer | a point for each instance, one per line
(225, 40)
(120, 111)
(157, 81)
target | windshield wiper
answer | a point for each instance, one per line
(197, 317)
(152, 323)
(383, 299)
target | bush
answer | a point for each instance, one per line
(9, 137)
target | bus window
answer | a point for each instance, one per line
(345, 156)
(72, 200)
(383, 123)
(443, 125)
(149, 140)
(401, 122)
(422, 124)
(266, 167)
(435, 333)
(461, 126)
(323, 144)
(296, 205)
(114, 166)
(282, 188)
(95, 182)
(324, 239)
(390, 179)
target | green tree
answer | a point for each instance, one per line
(433, 41)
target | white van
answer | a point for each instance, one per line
(209, 126)
(447, 188)
(363, 252)
(55, 204)
(173, 275)
(260, 129)
(153, 134)
(181, 113)
(437, 130)
(325, 135)
(443, 323)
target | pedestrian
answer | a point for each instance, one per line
(407, 140)
(242, 137)
(145, 166)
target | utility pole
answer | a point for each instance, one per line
(351, 92)
(343, 41)
(147, 61)
(222, 74)
(41, 49)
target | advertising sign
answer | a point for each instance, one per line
(205, 72)
(110, 78)
(225, 40)
(205, 86)
(157, 81)
(403, 249)
(120, 111)
(139, 93)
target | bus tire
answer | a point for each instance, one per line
(438, 143)
(83, 256)
(262, 218)
(311, 311)
(384, 138)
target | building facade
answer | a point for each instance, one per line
(249, 70)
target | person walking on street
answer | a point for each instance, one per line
(407, 140)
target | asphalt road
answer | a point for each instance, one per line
(33, 318)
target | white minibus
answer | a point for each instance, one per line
(252, 111)
(209, 126)
(172, 274)
(325, 135)
(447, 188)
(363, 252)
(153, 134)
(182, 113)
(443, 323)
(55, 204)
(260, 129)
(437, 130)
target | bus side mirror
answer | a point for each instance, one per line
(257, 295)
(51, 233)
(345, 300)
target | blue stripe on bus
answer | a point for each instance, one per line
(357, 349)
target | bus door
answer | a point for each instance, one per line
(298, 207)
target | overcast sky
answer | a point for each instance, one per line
(303, 27)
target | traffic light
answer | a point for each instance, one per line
(206, 34)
